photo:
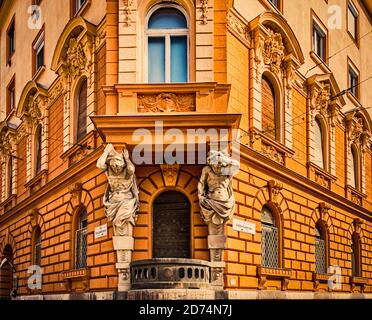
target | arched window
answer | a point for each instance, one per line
(81, 240)
(320, 250)
(81, 123)
(269, 110)
(37, 246)
(356, 268)
(167, 41)
(10, 176)
(319, 154)
(269, 239)
(38, 141)
(354, 178)
(171, 226)
(6, 272)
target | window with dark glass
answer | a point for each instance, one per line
(320, 251)
(353, 82)
(352, 20)
(82, 112)
(81, 240)
(167, 38)
(37, 246)
(269, 239)
(269, 110)
(38, 141)
(319, 41)
(319, 144)
(10, 176)
(275, 3)
(355, 256)
(77, 5)
(38, 52)
(354, 178)
(10, 96)
(10, 40)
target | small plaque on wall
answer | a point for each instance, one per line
(244, 226)
(100, 231)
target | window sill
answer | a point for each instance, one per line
(8, 204)
(265, 273)
(356, 41)
(321, 278)
(320, 62)
(354, 100)
(320, 176)
(38, 73)
(37, 182)
(355, 195)
(360, 282)
(80, 149)
(76, 279)
(272, 149)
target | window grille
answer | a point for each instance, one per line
(81, 242)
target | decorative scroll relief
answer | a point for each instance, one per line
(127, 10)
(58, 90)
(204, 11)
(166, 102)
(100, 38)
(33, 111)
(78, 58)
(170, 174)
(272, 153)
(273, 51)
(357, 131)
(241, 29)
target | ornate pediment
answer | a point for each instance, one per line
(33, 110)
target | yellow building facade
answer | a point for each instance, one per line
(293, 76)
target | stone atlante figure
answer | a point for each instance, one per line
(121, 199)
(215, 189)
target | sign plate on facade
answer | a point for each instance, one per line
(100, 231)
(244, 226)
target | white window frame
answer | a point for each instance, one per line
(318, 30)
(166, 33)
(355, 73)
(355, 14)
(38, 46)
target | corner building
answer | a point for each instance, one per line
(293, 76)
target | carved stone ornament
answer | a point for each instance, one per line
(204, 11)
(127, 10)
(358, 225)
(357, 131)
(273, 51)
(272, 153)
(275, 187)
(239, 28)
(78, 58)
(323, 209)
(33, 109)
(170, 174)
(166, 102)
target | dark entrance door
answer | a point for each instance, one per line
(171, 226)
(6, 273)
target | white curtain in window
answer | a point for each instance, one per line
(318, 157)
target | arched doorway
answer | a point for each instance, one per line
(6, 272)
(171, 226)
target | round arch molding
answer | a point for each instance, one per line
(76, 28)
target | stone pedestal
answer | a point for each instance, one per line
(123, 245)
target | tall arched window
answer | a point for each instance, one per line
(269, 239)
(319, 154)
(167, 40)
(10, 176)
(356, 267)
(269, 110)
(354, 178)
(320, 250)
(37, 246)
(38, 141)
(81, 240)
(81, 123)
